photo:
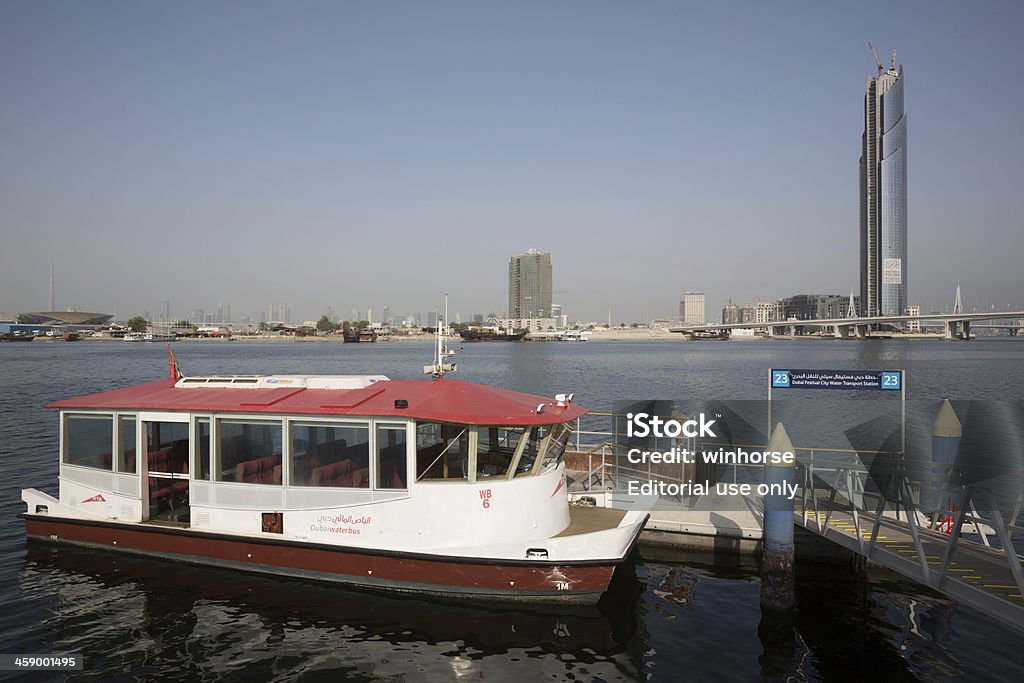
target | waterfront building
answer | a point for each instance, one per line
(814, 306)
(766, 312)
(562, 320)
(529, 285)
(691, 309)
(531, 324)
(883, 195)
(730, 314)
(914, 325)
(747, 314)
(69, 317)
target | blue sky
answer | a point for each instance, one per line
(363, 154)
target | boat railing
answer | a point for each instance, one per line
(601, 440)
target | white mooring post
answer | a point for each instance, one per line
(777, 565)
(945, 489)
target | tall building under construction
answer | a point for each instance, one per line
(529, 285)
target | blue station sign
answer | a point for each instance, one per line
(864, 380)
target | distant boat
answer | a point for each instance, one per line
(17, 336)
(354, 335)
(481, 334)
(71, 335)
(149, 337)
(720, 335)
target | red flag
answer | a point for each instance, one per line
(176, 373)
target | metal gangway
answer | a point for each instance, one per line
(960, 539)
(919, 519)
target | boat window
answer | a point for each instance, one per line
(442, 450)
(332, 454)
(167, 446)
(556, 446)
(495, 449)
(160, 435)
(391, 460)
(248, 452)
(89, 441)
(126, 451)
(534, 439)
(203, 448)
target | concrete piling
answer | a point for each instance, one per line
(777, 563)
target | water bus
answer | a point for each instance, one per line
(436, 485)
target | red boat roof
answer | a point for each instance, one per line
(444, 400)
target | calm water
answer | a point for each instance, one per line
(674, 616)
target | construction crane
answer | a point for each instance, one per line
(878, 62)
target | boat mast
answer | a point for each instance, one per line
(441, 352)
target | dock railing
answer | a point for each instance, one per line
(958, 535)
(954, 528)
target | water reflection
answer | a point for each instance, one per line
(154, 618)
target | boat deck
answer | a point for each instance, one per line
(584, 519)
(168, 522)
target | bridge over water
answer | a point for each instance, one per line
(955, 325)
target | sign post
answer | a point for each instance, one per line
(849, 380)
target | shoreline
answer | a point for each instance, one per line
(642, 335)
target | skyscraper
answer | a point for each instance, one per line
(529, 285)
(691, 309)
(883, 195)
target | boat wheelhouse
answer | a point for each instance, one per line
(439, 486)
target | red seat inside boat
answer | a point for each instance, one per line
(336, 474)
(361, 478)
(391, 477)
(266, 470)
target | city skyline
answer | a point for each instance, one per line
(342, 155)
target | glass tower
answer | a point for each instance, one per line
(529, 285)
(883, 196)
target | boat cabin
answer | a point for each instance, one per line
(354, 460)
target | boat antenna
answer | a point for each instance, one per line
(441, 352)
